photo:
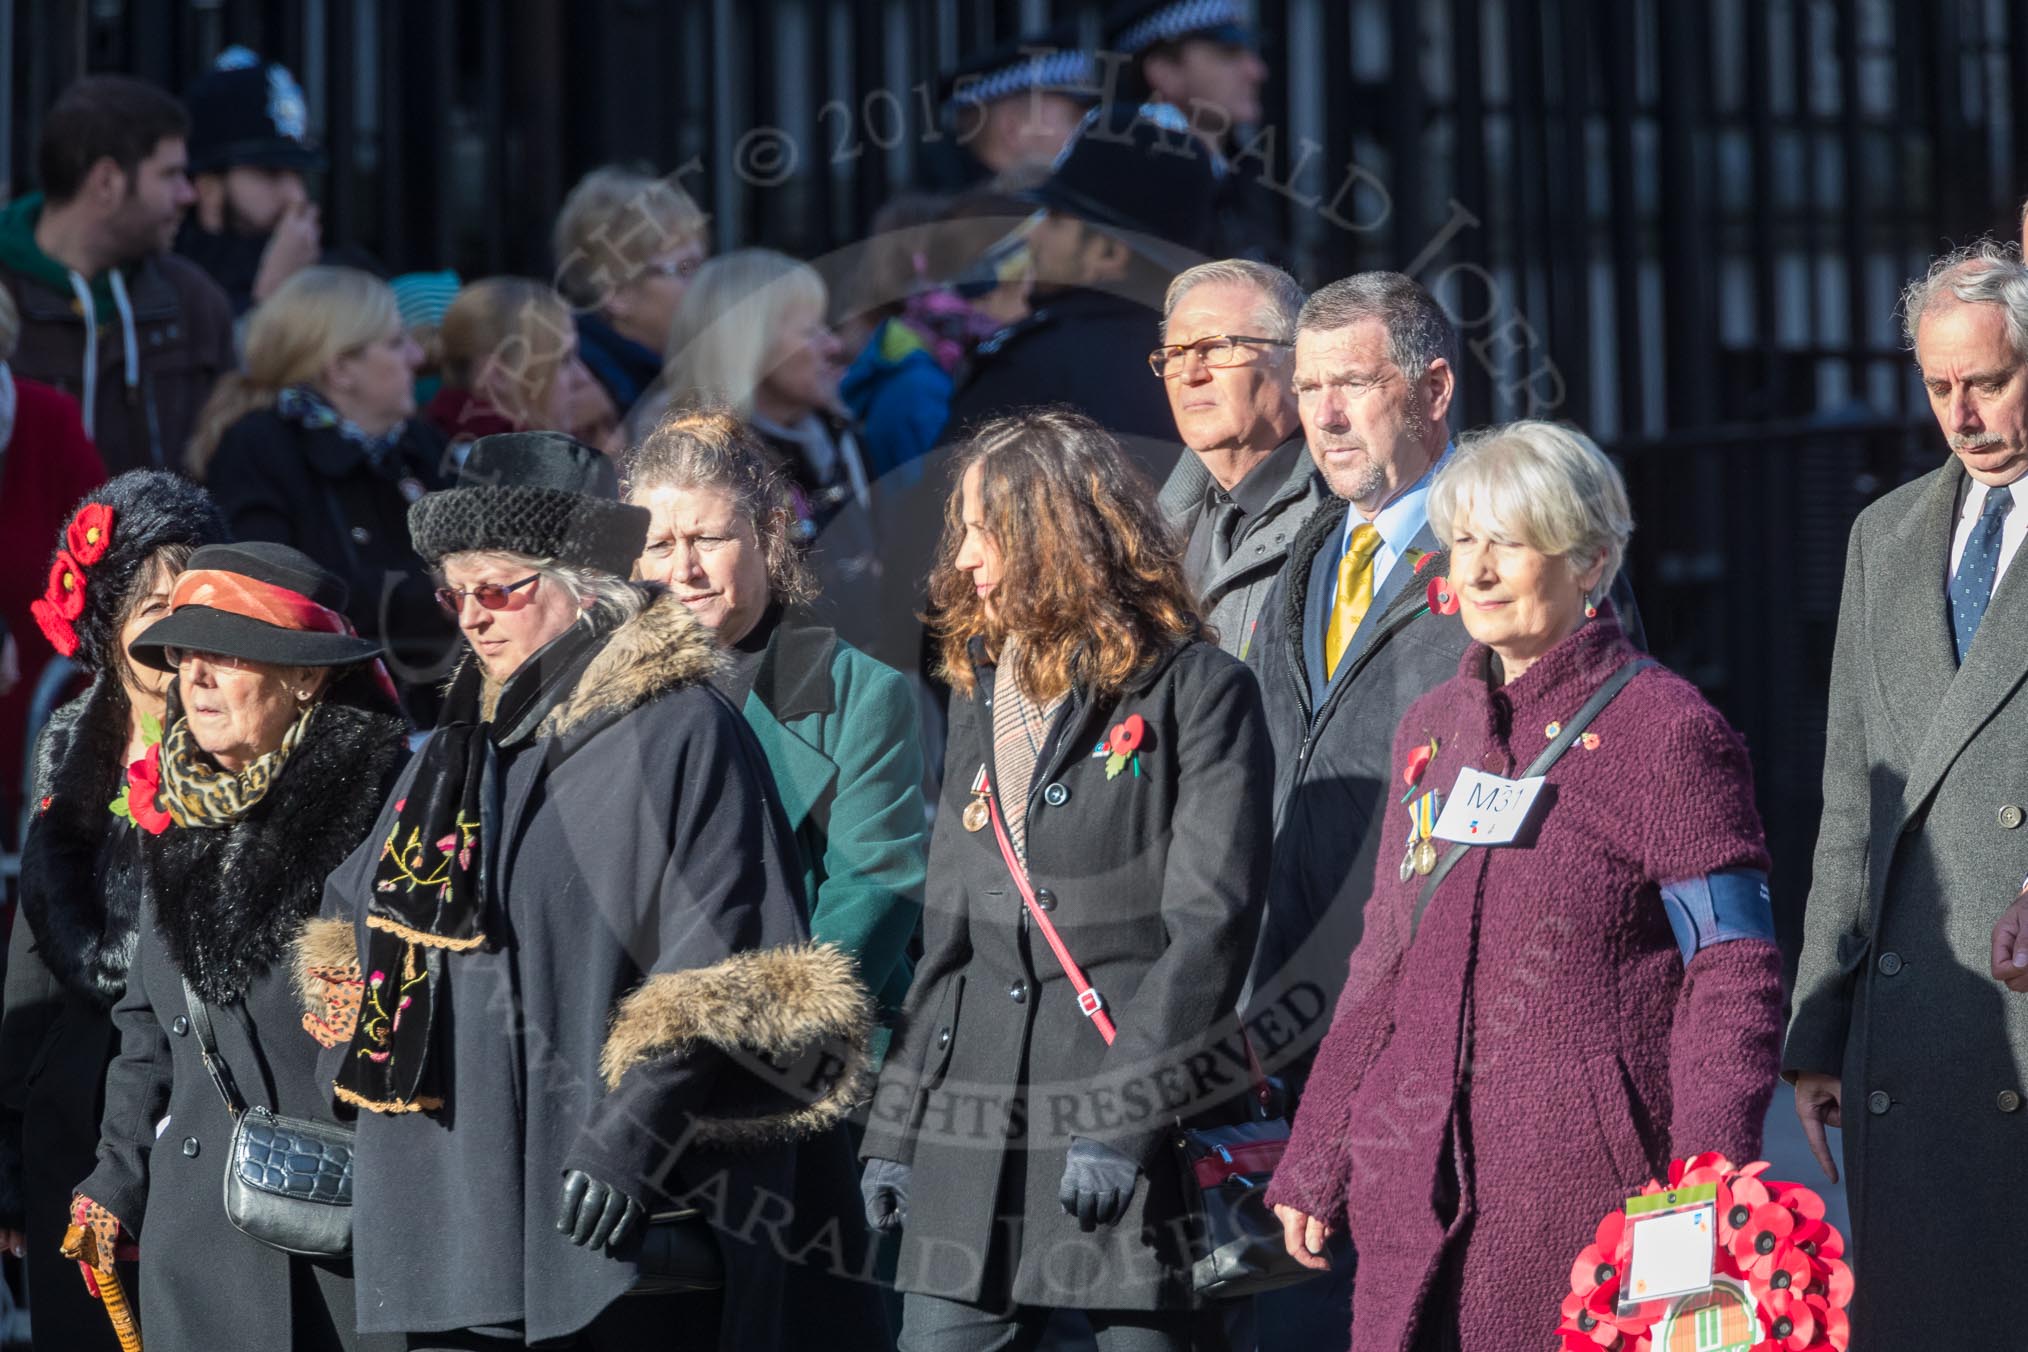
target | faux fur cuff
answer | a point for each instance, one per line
(325, 962)
(785, 1006)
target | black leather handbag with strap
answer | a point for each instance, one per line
(288, 1180)
(1226, 1168)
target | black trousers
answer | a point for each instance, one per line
(933, 1324)
(677, 1323)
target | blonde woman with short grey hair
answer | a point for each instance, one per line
(1609, 936)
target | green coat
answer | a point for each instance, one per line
(841, 735)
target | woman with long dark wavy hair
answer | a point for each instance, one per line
(1103, 746)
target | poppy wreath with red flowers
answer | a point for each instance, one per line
(1772, 1240)
(90, 533)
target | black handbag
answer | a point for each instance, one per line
(288, 1180)
(1226, 1169)
(677, 1256)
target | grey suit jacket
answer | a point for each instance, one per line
(1920, 849)
(1235, 592)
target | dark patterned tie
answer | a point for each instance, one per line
(1224, 525)
(1972, 584)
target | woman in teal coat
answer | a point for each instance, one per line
(841, 736)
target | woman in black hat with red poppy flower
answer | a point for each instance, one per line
(117, 558)
(281, 735)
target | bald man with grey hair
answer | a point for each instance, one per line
(1903, 1032)
(1247, 485)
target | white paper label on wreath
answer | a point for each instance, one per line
(1672, 1254)
(1486, 809)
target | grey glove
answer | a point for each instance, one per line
(884, 1185)
(1098, 1182)
(595, 1213)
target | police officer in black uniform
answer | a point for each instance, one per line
(1010, 108)
(1200, 58)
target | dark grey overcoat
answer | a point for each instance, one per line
(1235, 594)
(1921, 848)
(1154, 881)
(654, 950)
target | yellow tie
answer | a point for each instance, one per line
(1355, 594)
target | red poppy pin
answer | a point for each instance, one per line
(1442, 599)
(138, 800)
(90, 533)
(1123, 743)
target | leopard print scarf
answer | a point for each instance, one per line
(195, 792)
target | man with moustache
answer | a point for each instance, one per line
(1898, 1035)
(135, 334)
(1247, 486)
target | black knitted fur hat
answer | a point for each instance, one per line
(103, 552)
(538, 493)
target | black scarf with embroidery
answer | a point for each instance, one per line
(229, 900)
(430, 886)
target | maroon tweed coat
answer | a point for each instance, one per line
(1596, 1056)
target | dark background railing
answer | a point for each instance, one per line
(1681, 224)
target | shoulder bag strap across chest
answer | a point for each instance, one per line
(1550, 755)
(207, 1052)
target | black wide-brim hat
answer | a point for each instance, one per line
(543, 494)
(225, 590)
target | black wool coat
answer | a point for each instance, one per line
(650, 950)
(313, 489)
(1153, 878)
(67, 962)
(223, 907)
(1086, 349)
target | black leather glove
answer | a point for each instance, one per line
(884, 1185)
(1098, 1182)
(595, 1213)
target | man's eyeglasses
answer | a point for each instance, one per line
(490, 595)
(1220, 349)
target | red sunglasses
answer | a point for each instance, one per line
(490, 595)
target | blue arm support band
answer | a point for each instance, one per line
(1718, 908)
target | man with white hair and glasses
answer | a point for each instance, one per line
(1226, 361)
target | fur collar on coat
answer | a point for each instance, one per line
(84, 924)
(229, 901)
(797, 1005)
